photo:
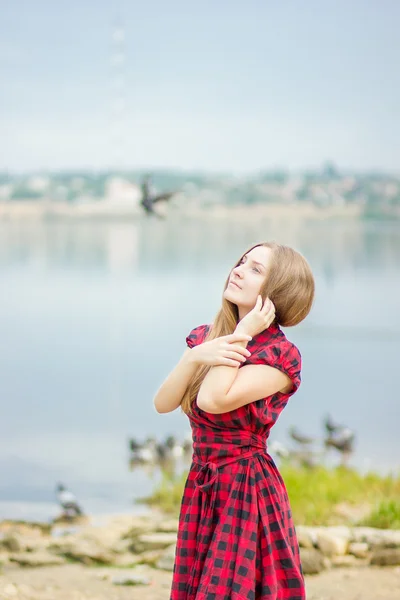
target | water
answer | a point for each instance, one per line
(94, 315)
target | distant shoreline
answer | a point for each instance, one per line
(105, 209)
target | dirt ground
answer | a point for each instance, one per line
(75, 582)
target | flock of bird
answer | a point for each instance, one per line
(167, 453)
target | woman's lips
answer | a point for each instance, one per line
(235, 284)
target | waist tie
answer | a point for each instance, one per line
(208, 474)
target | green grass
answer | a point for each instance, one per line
(314, 494)
(385, 515)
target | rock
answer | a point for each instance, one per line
(386, 557)
(84, 551)
(121, 546)
(167, 560)
(312, 561)
(10, 590)
(151, 557)
(331, 543)
(306, 537)
(25, 528)
(126, 560)
(72, 520)
(348, 561)
(169, 526)
(141, 526)
(152, 541)
(377, 538)
(36, 559)
(130, 579)
(358, 549)
(10, 543)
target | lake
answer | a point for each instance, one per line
(94, 315)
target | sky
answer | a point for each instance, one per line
(217, 85)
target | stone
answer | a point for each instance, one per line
(305, 536)
(169, 526)
(10, 590)
(130, 579)
(331, 543)
(10, 543)
(377, 538)
(312, 561)
(152, 541)
(84, 551)
(36, 559)
(151, 557)
(386, 557)
(167, 560)
(348, 560)
(359, 549)
(140, 527)
(126, 560)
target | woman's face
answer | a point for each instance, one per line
(246, 280)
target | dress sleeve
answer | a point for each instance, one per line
(196, 336)
(285, 357)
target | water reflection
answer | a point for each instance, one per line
(184, 245)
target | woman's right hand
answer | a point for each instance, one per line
(223, 350)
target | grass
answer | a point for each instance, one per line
(385, 515)
(314, 495)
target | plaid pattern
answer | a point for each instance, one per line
(236, 538)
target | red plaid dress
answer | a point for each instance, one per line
(236, 538)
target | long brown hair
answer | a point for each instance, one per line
(289, 284)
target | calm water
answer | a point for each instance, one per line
(93, 317)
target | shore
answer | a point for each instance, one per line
(101, 209)
(76, 582)
(102, 558)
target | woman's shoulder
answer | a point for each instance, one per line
(274, 343)
(275, 350)
(197, 334)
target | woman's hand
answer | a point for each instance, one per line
(258, 319)
(222, 351)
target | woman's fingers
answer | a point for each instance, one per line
(228, 362)
(235, 356)
(238, 337)
(237, 348)
(268, 307)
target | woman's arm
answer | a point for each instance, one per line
(171, 392)
(225, 350)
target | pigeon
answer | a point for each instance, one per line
(68, 502)
(149, 198)
(299, 437)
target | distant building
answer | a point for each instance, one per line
(120, 190)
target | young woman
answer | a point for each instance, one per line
(236, 538)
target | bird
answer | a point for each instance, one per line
(330, 426)
(149, 198)
(339, 437)
(68, 502)
(343, 441)
(299, 437)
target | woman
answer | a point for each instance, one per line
(236, 537)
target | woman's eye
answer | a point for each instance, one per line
(257, 270)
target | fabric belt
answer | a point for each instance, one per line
(208, 474)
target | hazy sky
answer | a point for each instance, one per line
(218, 84)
